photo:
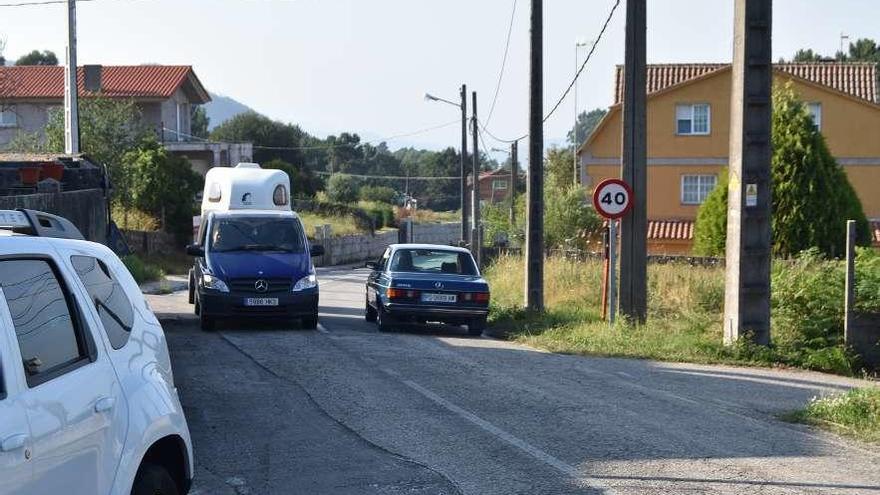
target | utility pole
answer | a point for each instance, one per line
(464, 209)
(476, 244)
(534, 276)
(633, 169)
(576, 143)
(514, 170)
(71, 113)
(747, 281)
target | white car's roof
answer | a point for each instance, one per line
(26, 244)
(439, 247)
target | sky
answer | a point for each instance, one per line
(364, 65)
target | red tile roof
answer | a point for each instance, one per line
(856, 79)
(117, 81)
(679, 230)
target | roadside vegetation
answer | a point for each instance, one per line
(685, 311)
(855, 414)
(142, 271)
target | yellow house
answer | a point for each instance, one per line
(688, 130)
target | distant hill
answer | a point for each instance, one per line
(222, 108)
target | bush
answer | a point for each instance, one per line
(382, 214)
(811, 196)
(710, 230)
(568, 216)
(140, 270)
(163, 185)
(379, 194)
(342, 188)
(133, 219)
(303, 183)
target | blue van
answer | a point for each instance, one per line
(252, 259)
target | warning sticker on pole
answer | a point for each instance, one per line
(751, 195)
(612, 198)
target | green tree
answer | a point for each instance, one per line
(567, 216)
(108, 129)
(380, 194)
(342, 188)
(586, 124)
(36, 57)
(271, 139)
(807, 55)
(163, 185)
(862, 50)
(811, 197)
(559, 168)
(199, 122)
(26, 142)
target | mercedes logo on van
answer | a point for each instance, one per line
(246, 198)
(261, 285)
(438, 285)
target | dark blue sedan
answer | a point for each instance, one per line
(418, 283)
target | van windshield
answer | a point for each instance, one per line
(257, 234)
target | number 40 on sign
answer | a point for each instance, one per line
(612, 198)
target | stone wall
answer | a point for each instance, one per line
(340, 250)
(150, 243)
(87, 209)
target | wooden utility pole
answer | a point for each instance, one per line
(476, 244)
(534, 251)
(514, 170)
(747, 281)
(633, 169)
(71, 111)
(464, 167)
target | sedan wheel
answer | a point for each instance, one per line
(369, 313)
(384, 320)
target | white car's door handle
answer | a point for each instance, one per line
(13, 442)
(104, 404)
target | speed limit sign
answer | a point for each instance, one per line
(612, 198)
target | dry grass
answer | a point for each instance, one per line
(341, 225)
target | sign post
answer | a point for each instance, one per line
(612, 199)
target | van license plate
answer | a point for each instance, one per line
(441, 298)
(261, 301)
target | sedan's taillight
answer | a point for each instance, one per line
(395, 293)
(479, 297)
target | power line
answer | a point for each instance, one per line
(390, 177)
(373, 141)
(571, 84)
(39, 2)
(503, 63)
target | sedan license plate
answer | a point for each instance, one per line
(441, 298)
(261, 301)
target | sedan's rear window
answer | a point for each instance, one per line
(433, 261)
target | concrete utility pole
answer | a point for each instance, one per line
(476, 244)
(514, 170)
(464, 209)
(633, 169)
(71, 113)
(747, 284)
(574, 177)
(535, 185)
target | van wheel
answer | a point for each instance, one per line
(206, 322)
(154, 480)
(310, 322)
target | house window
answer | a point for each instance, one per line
(692, 119)
(815, 111)
(695, 188)
(499, 184)
(8, 118)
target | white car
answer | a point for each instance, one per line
(87, 398)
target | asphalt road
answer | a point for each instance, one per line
(347, 410)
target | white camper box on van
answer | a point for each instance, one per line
(245, 187)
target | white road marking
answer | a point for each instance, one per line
(522, 445)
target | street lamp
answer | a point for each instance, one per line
(463, 107)
(577, 45)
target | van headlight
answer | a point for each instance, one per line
(310, 281)
(213, 283)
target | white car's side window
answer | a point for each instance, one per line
(48, 335)
(108, 296)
